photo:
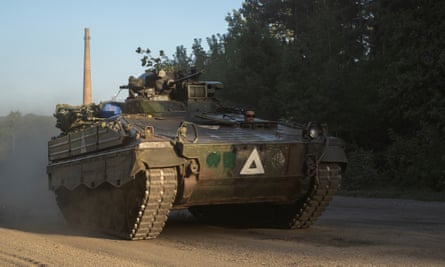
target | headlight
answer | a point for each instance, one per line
(314, 132)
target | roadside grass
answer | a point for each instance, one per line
(422, 195)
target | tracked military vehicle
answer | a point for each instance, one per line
(120, 167)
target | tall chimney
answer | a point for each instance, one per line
(87, 70)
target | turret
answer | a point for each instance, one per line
(158, 92)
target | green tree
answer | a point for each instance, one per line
(154, 63)
(199, 55)
(181, 61)
(372, 69)
(410, 61)
(9, 126)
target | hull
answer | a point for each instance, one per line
(111, 179)
(219, 180)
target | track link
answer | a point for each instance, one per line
(160, 192)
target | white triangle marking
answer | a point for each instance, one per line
(253, 164)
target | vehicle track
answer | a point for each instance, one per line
(136, 211)
(10, 259)
(326, 183)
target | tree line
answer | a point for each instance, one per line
(21, 134)
(372, 69)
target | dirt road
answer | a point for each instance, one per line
(353, 231)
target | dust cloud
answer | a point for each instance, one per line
(25, 201)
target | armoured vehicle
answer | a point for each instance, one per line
(120, 167)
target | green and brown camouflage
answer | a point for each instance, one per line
(173, 147)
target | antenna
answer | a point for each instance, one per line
(87, 70)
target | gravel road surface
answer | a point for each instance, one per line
(352, 232)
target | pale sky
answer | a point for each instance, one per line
(41, 44)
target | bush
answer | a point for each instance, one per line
(361, 173)
(417, 160)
